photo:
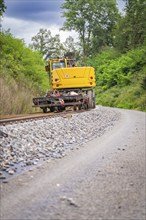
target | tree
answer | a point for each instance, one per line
(69, 44)
(2, 7)
(130, 31)
(136, 20)
(106, 17)
(45, 43)
(93, 20)
(121, 35)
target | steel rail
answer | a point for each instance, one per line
(23, 118)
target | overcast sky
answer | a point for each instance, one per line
(26, 17)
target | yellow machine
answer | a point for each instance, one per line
(77, 77)
(69, 86)
(64, 75)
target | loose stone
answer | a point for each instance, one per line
(51, 138)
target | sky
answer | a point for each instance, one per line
(25, 18)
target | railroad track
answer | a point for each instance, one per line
(35, 116)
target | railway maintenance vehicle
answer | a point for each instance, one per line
(70, 86)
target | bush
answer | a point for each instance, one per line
(22, 76)
(121, 80)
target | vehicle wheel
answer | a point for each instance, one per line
(94, 102)
(75, 107)
(63, 108)
(60, 108)
(45, 109)
(80, 107)
(91, 95)
(85, 106)
(52, 109)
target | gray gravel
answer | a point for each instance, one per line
(103, 179)
(25, 144)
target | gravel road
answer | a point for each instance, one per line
(96, 171)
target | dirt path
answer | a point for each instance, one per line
(104, 179)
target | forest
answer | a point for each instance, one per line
(114, 43)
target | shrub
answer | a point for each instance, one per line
(22, 76)
(121, 80)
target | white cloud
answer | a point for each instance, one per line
(24, 29)
(25, 20)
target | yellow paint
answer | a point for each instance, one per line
(73, 77)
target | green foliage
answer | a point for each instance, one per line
(45, 43)
(99, 24)
(50, 47)
(121, 78)
(93, 20)
(22, 75)
(2, 7)
(130, 31)
(116, 45)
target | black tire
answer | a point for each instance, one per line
(60, 108)
(94, 102)
(75, 107)
(85, 106)
(91, 95)
(45, 109)
(80, 107)
(52, 109)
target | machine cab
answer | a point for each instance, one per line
(58, 64)
(55, 64)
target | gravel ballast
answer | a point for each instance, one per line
(25, 144)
